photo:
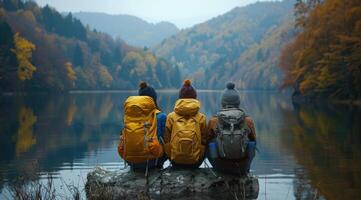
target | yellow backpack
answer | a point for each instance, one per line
(185, 144)
(140, 130)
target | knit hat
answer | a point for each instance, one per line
(145, 90)
(230, 97)
(187, 91)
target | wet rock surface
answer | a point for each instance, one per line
(169, 184)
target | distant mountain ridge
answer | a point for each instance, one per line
(133, 30)
(243, 46)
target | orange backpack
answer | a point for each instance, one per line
(139, 142)
(185, 143)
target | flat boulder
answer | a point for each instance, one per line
(202, 184)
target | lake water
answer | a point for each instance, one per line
(305, 152)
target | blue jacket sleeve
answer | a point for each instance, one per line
(161, 120)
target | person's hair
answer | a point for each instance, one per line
(143, 85)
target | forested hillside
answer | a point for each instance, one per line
(324, 59)
(131, 29)
(242, 45)
(42, 50)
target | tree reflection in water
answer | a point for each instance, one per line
(24, 137)
(326, 141)
(45, 131)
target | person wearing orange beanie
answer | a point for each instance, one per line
(187, 91)
(186, 150)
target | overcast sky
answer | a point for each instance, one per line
(183, 13)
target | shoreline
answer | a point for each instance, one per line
(347, 102)
(302, 100)
(297, 100)
(123, 91)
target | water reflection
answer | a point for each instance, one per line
(326, 142)
(24, 137)
(51, 130)
(305, 152)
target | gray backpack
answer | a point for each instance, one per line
(232, 134)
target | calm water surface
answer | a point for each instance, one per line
(305, 152)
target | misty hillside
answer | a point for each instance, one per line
(42, 50)
(242, 45)
(131, 29)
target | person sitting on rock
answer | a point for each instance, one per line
(141, 142)
(232, 136)
(185, 135)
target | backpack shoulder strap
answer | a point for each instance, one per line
(197, 118)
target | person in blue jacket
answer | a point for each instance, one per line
(146, 90)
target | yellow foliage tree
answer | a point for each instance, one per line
(150, 60)
(135, 61)
(23, 51)
(105, 77)
(70, 73)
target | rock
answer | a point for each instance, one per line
(169, 184)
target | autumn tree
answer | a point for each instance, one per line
(23, 51)
(70, 73)
(324, 59)
(105, 78)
